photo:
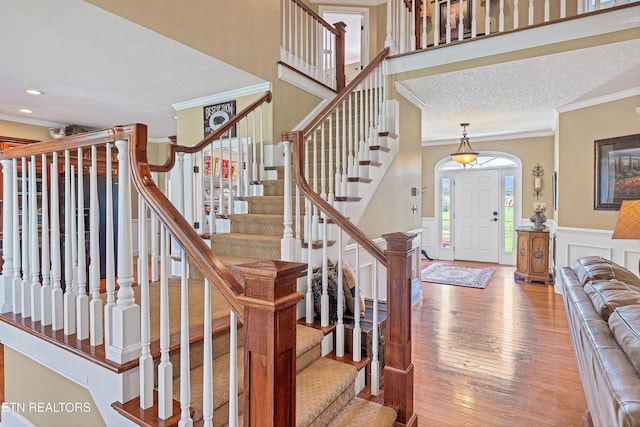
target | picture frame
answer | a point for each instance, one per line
(216, 115)
(454, 13)
(617, 171)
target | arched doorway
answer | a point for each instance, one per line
(477, 208)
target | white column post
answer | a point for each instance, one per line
(357, 339)
(375, 365)
(6, 280)
(35, 242)
(165, 368)
(45, 290)
(69, 293)
(207, 360)
(125, 332)
(95, 307)
(154, 236)
(185, 383)
(82, 301)
(516, 14)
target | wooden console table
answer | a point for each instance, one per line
(532, 257)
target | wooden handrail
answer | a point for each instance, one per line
(189, 239)
(314, 123)
(298, 138)
(173, 149)
(316, 16)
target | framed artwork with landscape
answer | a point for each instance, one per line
(617, 171)
(454, 18)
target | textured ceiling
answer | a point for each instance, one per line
(522, 96)
(99, 70)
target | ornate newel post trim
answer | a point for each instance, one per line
(270, 341)
(398, 371)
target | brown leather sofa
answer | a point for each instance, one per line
(602, 300)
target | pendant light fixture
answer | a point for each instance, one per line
(465, 153)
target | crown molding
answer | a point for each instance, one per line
(599, 100)
(224, 96)
(352, 2)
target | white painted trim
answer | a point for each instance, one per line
(305, 83)
(224, 96)
(14, 419)
(312, 114)
(104, 386)
(573, 243)
(411, 97)
(599, 100)
(363, 11)
(587, 26)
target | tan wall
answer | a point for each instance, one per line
(22, 130)
(578, 131)
(29, 384)
(529, 150)
(390, 207)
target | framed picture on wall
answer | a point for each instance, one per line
(454, 18)
(617, 171)
(217, 115)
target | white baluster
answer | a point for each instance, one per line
(146, 361)
(17, 256)
(110, 282)
(563, 8)
(330, 196)
(324, 299)
(474, 23)
(345, 146)
(357, 349)
(461, 23)
(436, 25)
(57, 310)
(350, 159)
(154, 237)
(165, 369)
(340, 324)
(338, 152)
(262, 171)
(95, 307)
(8, 237)
(185, 381)
(233, 369)
(531, 12)
(501, 17)
(69, 292)
(403, 31)
(45, 290)
(375, 364)
(125, 328)
(74, 234)
(314, 217)
(546, 10)
(412, 26)
(388, 42)
(516, 14)
(287, 244)
(35, 244)
(82, 301)
(487, 18)
(26, 243)
(207, 360)
(309, 296)
(230, 179)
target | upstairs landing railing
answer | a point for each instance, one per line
(311, 45)
(418, 24)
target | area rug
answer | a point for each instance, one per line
(450, 274)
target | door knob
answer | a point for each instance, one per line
(493, 219)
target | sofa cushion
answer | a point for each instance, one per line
(624, 323)
(606, 295)
(598, 268)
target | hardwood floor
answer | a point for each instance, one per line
(499, 356)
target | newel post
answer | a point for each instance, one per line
(269, 301)
(341, 78)
(398, 371)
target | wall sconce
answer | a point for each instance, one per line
(537, 173)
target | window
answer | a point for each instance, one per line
(446, 210)
(508, 214)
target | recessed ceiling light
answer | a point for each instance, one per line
(26, 111)
(34, 92)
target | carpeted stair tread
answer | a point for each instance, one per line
(308, 346)
(322, 390)
(256, 246)
(360, 412)
(220, 387)
(271, 224)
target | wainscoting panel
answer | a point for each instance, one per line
(573, 243)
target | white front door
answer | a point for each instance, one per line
(477, 210)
